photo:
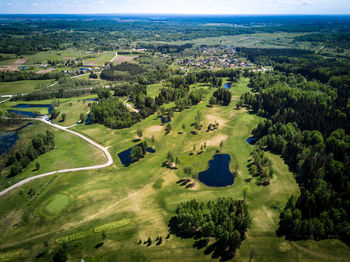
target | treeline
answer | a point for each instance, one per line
(310, 129)
(41, 143)
(298, 61)
(28, 75)
(165, 48)
(335, 40)
(113, 114)
(225, 219)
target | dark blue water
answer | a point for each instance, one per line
(218, 173)
(165, 119)
(88, 120)
(150, 150)
(49, 107)
(7, 141)
(24, 113)
(27, 113)
(251, 140)
(227, 86)
(91, 99)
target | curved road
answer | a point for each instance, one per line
(103, 149)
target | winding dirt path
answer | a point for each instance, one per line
(103, 149)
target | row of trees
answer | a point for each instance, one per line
(41, 143)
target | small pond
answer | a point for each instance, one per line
(251, 140)
(165, 119)
(91, 99)
(88, 120)
(7, 141)
(218, 173)
(227, 85)
(28, 113)
(125, 155)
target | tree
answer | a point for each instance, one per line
(183, 126)
(54, 113)
(63, 117)
(153, 139)
(167, 129)
(37, 165)
(149, 241)
(82, 117)
(103, 235)
(139, 133)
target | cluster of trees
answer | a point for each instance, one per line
(224, 219)
(145, 105)
(113, 114)
(122, 72)
(137, 152)
(221, 96)
(310, 128)
(41, 143)
(261, 166)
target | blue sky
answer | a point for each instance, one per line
(176, 6)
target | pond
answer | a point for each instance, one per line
(88, 120)
(165, 119)
(29, 113)
(227, 85)
(218, 173)
(125, 155)
(7, 141)
(251, 140)
(91, 99)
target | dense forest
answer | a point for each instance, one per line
(308, 124)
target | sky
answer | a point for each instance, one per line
(175, 6)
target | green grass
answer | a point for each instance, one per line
(72, 108)
(146, 194)
(16, 87)
(57, 158)
(57, 204)
(42, 57)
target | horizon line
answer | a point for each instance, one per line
(181, 14)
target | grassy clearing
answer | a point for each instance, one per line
(99, 59)
(72, 109)
(42, 57)
(9, 88)
(147, 194)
